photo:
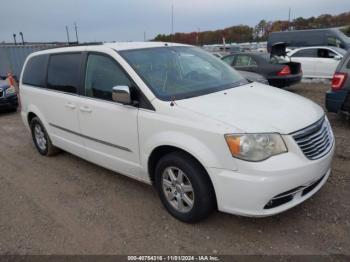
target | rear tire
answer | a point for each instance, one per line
(41, 139)
(184, 187)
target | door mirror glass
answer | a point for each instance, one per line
(121, 94)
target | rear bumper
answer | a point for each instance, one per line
(9, 101)
(335, 100)
(283, 81)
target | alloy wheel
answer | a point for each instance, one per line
(40, 137)
(178, 189)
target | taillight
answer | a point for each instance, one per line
(285, 71)
(338, 81)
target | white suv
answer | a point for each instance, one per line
(179, 118)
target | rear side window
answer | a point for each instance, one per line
(306, 53)
(325, 53)
(244, 60)
(35, 71)
(228, 59)
(63, 72)
(102, 74)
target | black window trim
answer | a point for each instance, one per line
(143, 102)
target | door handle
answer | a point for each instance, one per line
(71, 105)
(85, 109)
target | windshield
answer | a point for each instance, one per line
(181, 72)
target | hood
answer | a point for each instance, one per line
(256, 108)
(278, 49)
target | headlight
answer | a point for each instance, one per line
(255, 147)
(10, 90)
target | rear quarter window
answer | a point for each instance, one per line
(64, 72)
(228, 59)
(35, 71)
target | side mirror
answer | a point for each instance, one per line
(337, 57)
(121, 94)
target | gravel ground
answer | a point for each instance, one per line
(65, 205)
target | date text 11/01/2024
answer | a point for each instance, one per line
(174, 258)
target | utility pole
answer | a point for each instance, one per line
(197, 36)
(289, 19)
(172, 22)
(14, 38)
(76, 32)
(67, 34)
(21, 34)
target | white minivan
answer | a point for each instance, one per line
(179, 118)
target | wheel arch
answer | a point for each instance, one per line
(32, 112)
(30, 117)
(161, 151)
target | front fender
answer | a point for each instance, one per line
(188, 143)
(196, 146)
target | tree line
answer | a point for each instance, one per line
(245, 33)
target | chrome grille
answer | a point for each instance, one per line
(1, 92)
(316, 140)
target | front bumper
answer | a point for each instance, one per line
(283, 81)
(9, 101)
(250, 189)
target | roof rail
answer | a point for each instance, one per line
(75, 44)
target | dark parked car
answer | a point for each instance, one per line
(8, 96)
(276, 68)
(338, 99)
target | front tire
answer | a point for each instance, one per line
(41, 139)
(184, 187)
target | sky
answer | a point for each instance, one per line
(129, 20)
